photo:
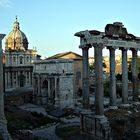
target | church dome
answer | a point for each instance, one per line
(16, 39)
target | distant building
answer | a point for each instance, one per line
(77, 68)
(106, 63)
(53, 83)
(57, 80)
(18, 59)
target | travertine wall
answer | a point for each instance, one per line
(53, 83)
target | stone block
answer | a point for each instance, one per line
(96, 126)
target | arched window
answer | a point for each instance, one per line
(27, 58)
(21, 60)
(14, 59)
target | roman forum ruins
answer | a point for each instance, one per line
(115, 37)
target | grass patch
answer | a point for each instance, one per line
(66, 133)
(18, 119)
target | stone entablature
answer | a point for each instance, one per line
(55, 66)
(102, 39)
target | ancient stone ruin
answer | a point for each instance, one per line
(4, 135)
(114, 37)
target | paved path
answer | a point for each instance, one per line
(48, 133)
(33, 108)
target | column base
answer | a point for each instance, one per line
(86, 103)
(124, 106)
(3, 131)
(57, 103)
(136, 103)
(113, 107)
(97, 126)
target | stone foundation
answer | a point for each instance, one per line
(3, 130)
(96, 126)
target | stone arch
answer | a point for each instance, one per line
(21, 80)
(45, 84)
(44, 91)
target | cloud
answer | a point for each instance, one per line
(6, 3)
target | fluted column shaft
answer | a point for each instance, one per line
(124, 77)
(112, 78)
(99, 109)
(134, 75)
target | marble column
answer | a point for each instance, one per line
(3, 122)
(85, 80)
(55, 88)
(49, 91)
(124, 76)
(99, 107)
(39, 90)
(134, 75)
(39, 85)
(56, 96)
(112, 77)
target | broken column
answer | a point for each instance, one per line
(3, 123)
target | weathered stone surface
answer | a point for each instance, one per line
(3, 122)
(54, 83)
(96, 125)
(114, 37)
(115, 29)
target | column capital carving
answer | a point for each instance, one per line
(2, 36)
(123, 49)
(100, 45)
(111, 48)
(87, 46)
(134, 49)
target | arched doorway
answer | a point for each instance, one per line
(21, 80)
(44, 92)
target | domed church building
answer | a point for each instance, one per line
(18, 59)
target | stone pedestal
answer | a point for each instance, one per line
(125, 106)
(3, 130)
(97, 126)
(3, 123)
(113, 107)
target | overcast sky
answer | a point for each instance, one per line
(50, 24)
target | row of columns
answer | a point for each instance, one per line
(99, 106)
(10, 79)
